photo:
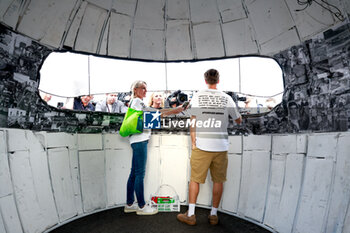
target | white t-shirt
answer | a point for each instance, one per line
(110, 107)
(212, 109)
(138, 104)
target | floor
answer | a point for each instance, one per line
(115, 220)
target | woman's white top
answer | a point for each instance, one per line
(138, 104)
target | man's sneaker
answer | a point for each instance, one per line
(130, 209)
(188, 220)
(213, 219)
(147, 210)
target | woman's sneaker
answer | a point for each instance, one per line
(147, 210)
(130, 209)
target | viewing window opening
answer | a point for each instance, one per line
(85, 82)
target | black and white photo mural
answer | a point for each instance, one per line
(316, 96)
(317, 83)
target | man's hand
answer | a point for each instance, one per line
(238, 120)
(185, 105)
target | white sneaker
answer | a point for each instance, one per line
(147, 210)
(130, 209)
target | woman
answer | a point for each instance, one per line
(139, 154)
(139, 157)
(156, 100)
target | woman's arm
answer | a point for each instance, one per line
(167, 111)
(171, 111)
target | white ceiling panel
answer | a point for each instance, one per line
(73, 30)
(197, 29)
(231, 10)
(12, 13)
(150, 14)
(238, 38)
(204, 11)
(105, 4)
(208, 40)
(119, 35)
(50, 30)
(270, 18)
(148, 44)
(126, 7)
(178, 9)
(280, 42)
(4, 5)
(311, 20)
(178, 43)
(90, 29)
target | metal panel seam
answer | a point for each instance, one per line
(329, 201)
(70, 22)
(220, 23)
(81, 21)
(192, 39)
(104, 26)
(51, 185)
(252, 26)
(269, 180)
(295, 25)
(132, 29)
(301, 187)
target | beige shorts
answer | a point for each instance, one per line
(202, 160)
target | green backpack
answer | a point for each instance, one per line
(132, 123)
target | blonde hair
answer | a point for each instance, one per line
(150, 102)
(135, 85)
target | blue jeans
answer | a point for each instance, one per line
(137, 173)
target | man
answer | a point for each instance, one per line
(111, 104)
(45, 96)
(83, 103)
(209, 145)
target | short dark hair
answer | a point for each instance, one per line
(212, 76)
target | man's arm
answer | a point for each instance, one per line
(166, 111)
(193, 132)
(239, 120)
(233, 111)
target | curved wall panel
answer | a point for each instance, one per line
(285, 183)
(149, 29)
